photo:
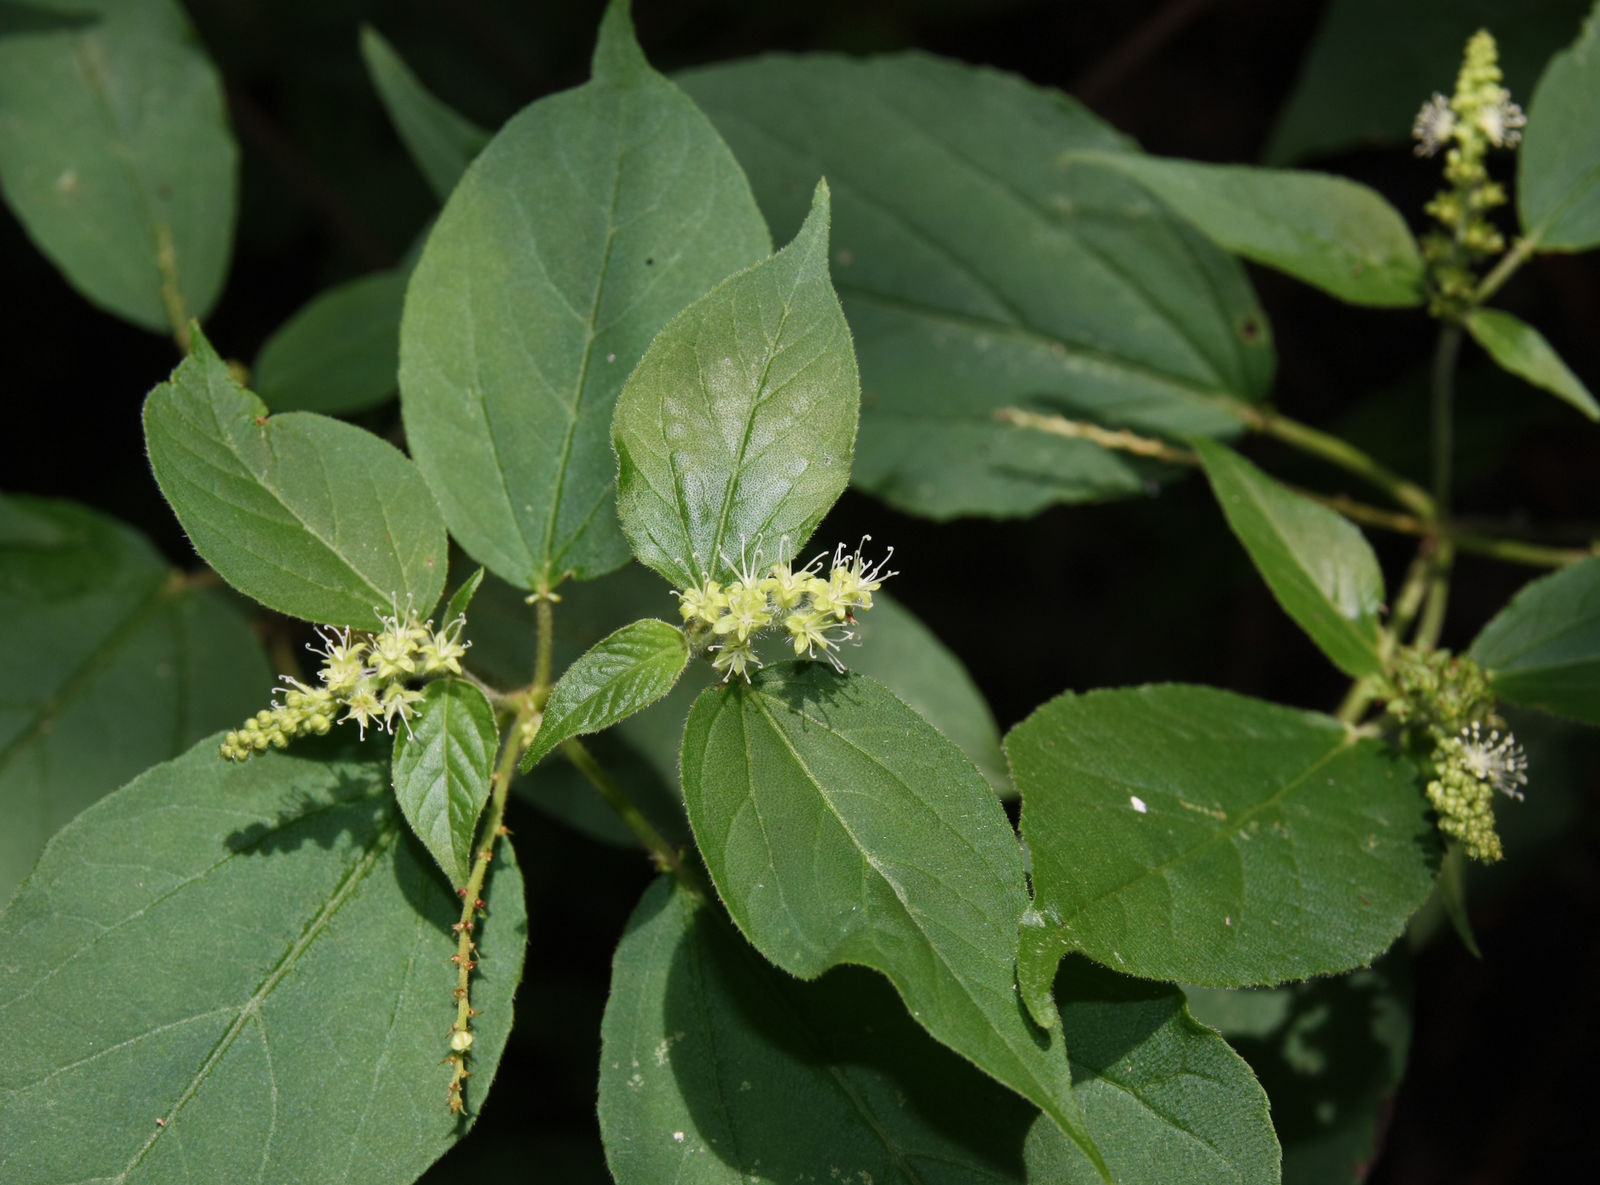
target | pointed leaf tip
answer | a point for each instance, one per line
(617, 52)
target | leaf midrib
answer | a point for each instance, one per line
(382, 839)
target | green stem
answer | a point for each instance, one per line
(1444, 391)
(472, 903)
(544, 606)
(1513, 259)
(1336, 451)
(666, 857)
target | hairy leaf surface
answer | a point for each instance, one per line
(116, 156)
(1319, 566)
(254, 955)
(310, 516)
(736, 430)
(624, 672)
(442, 766)
(1184, 833)
(981, 271)
(591, 219)
(839, 827)
(126, 663)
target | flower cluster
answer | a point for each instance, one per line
(365, 675)
(815, 611)
(1447, 702)
(1479, 116)
(1468, 768)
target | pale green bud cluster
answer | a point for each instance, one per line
(1447, 701)
(366, 676)
(1479, 116)
(814, 611)
(1468, 769)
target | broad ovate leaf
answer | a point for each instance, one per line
(441, 142)
(311, 516)
(629, 670)
(839, 827)
(1185, 833)
(253, 961)
(591, 219)
(1319, 566)
(981, 271)
(1558, 180)
(1543, 649)
(1327, 231)
(119, 663)
(1168, 1102)
(1521, 349)
(718, 1069)
(443, 762)
(1330, 1053)
(339, 353)
(736, 430)
(116, 156)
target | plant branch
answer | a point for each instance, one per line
(667, 858)
(472, 903)
(1513, 259)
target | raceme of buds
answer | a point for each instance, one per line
(364, 675)
(1479, 116)
(1446, 700)
(815, 611)
(1468, 769)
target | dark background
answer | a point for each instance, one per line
(1077, 598)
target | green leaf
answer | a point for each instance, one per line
(441, 142)
(116, 156)
(1168, 1102)
(1374, 62)
(1328, 231)
(625, 672)
(1543, 649)
(735, 432)
(1330, 1054)
(1184, 833)
(980, 271)
(839, 827)
(310, 516)
(461, 599)
(1522, 349)
(255, 955)
(116, 663)
(443, 763)
(1317, 563)
(1558, 165)
(640, 752)
(591, 219)
(717, 1068)
(899, 651)
(338, 354)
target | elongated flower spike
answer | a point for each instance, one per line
(814, 611)
(367, 677)
(1477, 117)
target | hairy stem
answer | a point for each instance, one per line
(667, 858)
(472, 903)
(1443, 413)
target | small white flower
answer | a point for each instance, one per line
(1500, 122)
(1434, 125)
(1495, 760)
